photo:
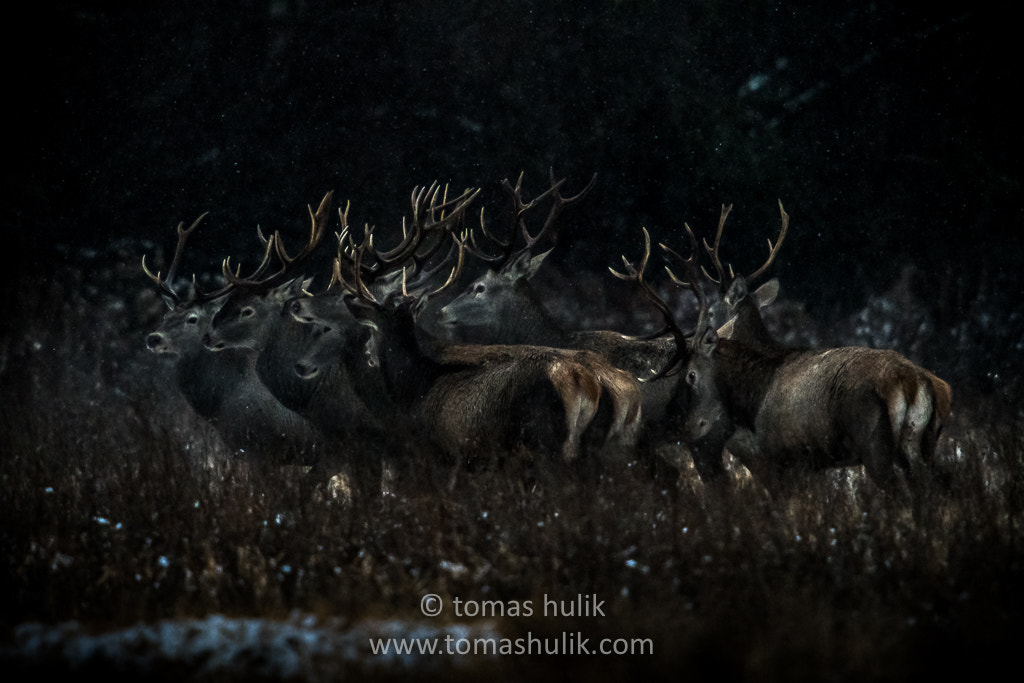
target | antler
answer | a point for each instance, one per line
(288, 263)
(425, 221)
(429, 218)
(170, 296)
(773, 250)
(635, 274)
(446, 224)
(519, 207)
(693, 282)
(459, 244)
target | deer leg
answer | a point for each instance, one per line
(580, 396)
(870, 431)
(913, 411)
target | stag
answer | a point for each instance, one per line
(252, 320)
(744, 306)
(467, 401)
(222, 388)
(503, 302)
(779, 409)
(502, 306)
(259, 316)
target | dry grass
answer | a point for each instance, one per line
(120, 507)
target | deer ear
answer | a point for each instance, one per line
(766, 293)
(287, 290)
(736, 292)
(727, 330)
(708, 341)
(524, 265)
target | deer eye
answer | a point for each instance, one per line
(479, 288)
(691, 378)
(192, 319)
(247, 312)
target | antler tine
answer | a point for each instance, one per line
(235, 279)
(419, 259)
(773, 250)
(505, 247)
(636, 275)
(341, 236)
(357, 287)
(318, 228)
(483, 229)
(694, 281)
(557, 206)
(456, 208)
(422, 199)
(164, 283)
(161, 284)
(713, 251)
(425, 209)
(460, 243)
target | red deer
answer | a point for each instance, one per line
(258, 318)
(223, 388)
(778, 409)
(252, 319)
(471, 400)
(503, 307)
(744, 306)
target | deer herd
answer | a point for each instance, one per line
(368, 376)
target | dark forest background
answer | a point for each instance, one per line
(888, 133)
(892, 136)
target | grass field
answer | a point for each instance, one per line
(124, 519)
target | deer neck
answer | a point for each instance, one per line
(284, 344)
(743, 373)
(206, 378)
(408, 369)
(530, 322)
(749, 327)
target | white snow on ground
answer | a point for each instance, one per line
(301, 648)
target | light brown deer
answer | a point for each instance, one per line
(502, 306)
(468, 401)
(778, 409)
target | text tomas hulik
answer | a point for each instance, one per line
(580, 606)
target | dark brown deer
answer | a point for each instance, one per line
(468, 401)
(744, 306)
(778, 409)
